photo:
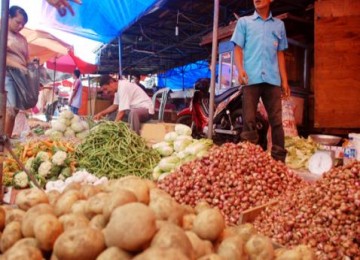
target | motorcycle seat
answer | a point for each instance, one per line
(226, 94)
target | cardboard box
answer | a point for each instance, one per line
(155, 132)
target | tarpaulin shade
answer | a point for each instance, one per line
(44, 45)
(184, 77)
(68, 63)
(99, 20)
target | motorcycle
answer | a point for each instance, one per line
(227, 120)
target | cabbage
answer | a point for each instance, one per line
(82, 135)
(66, 114)
(85, 125)
(58, 126)
(75, 119)
(163, 148)
(181, 155)
(197, 146)
(48, 132)
(170, 137)
(181, 129)
(69, 133)
(156, 173)
(184, 137)
(180, 145)
(168, 163)
(77, 126)
(56, 135)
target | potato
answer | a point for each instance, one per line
(212, 257)
(79, 244)
(151, 184)
(259, 247)
(47, 228)
(201, 205)
(172, 236)
(98, 222)
(136, 185)
(26, 252)
(65, 201)
(96, 203)
(72, 186)
(11, 234)
(27, 225)
(165, 207)
(209, 224)
(113, 253)
(2, 218)
(136, 224)
(28, 198)
(188, 221)
(245, 231)
(73, 221)
(201, 247)
(14, 215)
(116, 199)
(231, 248)
(154, 253)
(79, 206)
(53, 196)
(89, 190)
(28, 241)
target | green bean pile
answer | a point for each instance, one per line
(113, 150)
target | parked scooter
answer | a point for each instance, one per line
(227, 121)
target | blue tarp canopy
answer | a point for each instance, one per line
(100, 20)
(184, 77)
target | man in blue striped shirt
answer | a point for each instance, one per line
(260, 40)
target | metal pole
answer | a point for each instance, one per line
(3, 47)
(120, 55)
(213, 64)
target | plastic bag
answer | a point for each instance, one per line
(26, 85)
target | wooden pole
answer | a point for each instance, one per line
(213, 67)
(3, 47)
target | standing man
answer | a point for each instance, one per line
(130, 99)
(260, 40)
(76, 96)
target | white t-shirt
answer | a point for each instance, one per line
(130, 95)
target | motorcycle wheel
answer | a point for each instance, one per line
(185, 120)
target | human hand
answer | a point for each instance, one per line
(243, 77)
(61, 6)
(286, 92)
(98, 116)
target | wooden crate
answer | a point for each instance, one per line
(248, 216)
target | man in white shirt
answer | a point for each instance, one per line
(130, 99)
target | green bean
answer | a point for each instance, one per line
(113, 150)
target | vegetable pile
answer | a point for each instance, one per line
(177, 148)
(299, 151)
(232, 177)
(68, 125)
(128, 218)
(78, 177)
(45, 159)
(325, 216)
(113, 150)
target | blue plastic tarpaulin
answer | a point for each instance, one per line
(98, 20)
(184, 77)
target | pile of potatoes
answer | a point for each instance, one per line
(128, 218)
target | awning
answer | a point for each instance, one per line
(99, 20)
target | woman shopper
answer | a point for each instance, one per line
(76, 96)
(17, 56)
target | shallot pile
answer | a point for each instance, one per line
(325, 216)
(232, 177)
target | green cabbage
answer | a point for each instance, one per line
(181, 129)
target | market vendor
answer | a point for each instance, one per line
(129, 99)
